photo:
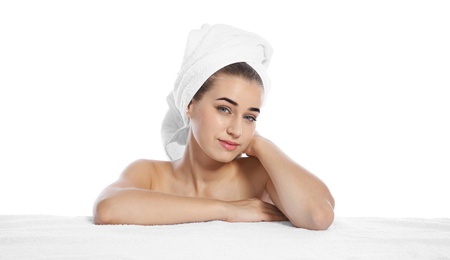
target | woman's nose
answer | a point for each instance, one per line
(235, 128)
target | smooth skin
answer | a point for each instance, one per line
(212, 181)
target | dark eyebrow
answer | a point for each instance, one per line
(229, 101)
(255, 109)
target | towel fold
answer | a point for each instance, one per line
(207, 50)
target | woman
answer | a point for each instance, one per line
(210, 124)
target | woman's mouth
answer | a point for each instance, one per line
(229, 145)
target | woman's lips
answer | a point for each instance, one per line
(229, 145)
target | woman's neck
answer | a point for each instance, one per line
(200, 171)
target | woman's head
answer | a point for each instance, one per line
(223, 113)
(207, 50)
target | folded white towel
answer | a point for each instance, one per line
(209, 49)
(60, 237)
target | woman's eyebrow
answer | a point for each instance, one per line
(255, 109)
(229, 101)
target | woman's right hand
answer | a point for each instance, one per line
(253, 210)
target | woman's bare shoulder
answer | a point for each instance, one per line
(148, 165)
(143, 172)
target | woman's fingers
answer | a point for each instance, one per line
(251, 210)
(274, 214)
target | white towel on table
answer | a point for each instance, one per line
(59, 237)
(209, 49)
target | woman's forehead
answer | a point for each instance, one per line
(237, 89)
(235, 86)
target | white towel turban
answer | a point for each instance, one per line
(209, 49)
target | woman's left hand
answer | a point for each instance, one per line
(251, 148)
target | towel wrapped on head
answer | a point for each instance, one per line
(209, 49)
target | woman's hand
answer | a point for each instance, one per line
(252, 146)
(253, 210)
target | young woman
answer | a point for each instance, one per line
(213, 180)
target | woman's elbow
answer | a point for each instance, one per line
(320, 218)
(323, 217)
(102, 212)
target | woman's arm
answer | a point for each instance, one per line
(125, 205)
(131, 201)
(301, 196)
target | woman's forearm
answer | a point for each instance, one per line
(306, 200)
(146, 207)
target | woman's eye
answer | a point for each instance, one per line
(224, 110)
(251, 118)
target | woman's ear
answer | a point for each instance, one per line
(189, 109)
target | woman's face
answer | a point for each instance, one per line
(223, 121)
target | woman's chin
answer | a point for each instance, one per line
(226, 158)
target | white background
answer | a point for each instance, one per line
(360, 96)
